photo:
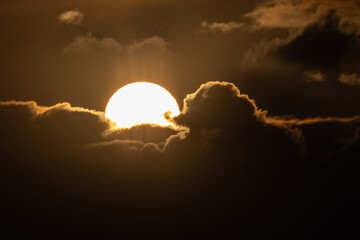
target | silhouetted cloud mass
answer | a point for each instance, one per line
(266, 144)
(228, 154)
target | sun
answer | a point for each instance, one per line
(139, 103)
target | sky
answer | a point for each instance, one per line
(266, 145)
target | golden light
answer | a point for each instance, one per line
(141, 102)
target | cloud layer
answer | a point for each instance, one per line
(272, 152)
(232, 161)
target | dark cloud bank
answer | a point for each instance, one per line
(231, 170)
(311, 58)
(285, 166)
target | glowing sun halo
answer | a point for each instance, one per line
(141, 102)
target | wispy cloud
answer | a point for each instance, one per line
(219, 27)
(89, 43)
(71, 17)
(293, 14)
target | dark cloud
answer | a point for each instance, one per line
(309, 46)
(232, 165)
(217, 95)
(321, 135)
(240, 139)
(249, 119)
(62, 125)
(147, 133)
(322, 45)
(284, 166)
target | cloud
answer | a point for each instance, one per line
(88, 43)
(237, 170)
(320, 50)
(40, 128)
(310, 25)
(245, 117)
(71, 17)
(284, 14)
(62, 124)
(206, 114)
(148, 44)
(313, 48)
(292, 14)
(215, 94)
(128, 145)
(262, 52)
(315, 76)
(349, 79)
(219, 27)
(233, 160)
(292, 58)
(37, 110)
(309, 121)
(145, 59)
(147, 133)
(329, 130)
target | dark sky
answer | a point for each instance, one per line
(266, 145)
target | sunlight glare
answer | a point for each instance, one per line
(141, 102)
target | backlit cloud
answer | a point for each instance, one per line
(230, 147)
(267, 142)
(209, 101)
(247, 117)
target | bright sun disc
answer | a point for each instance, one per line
(141, 102)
